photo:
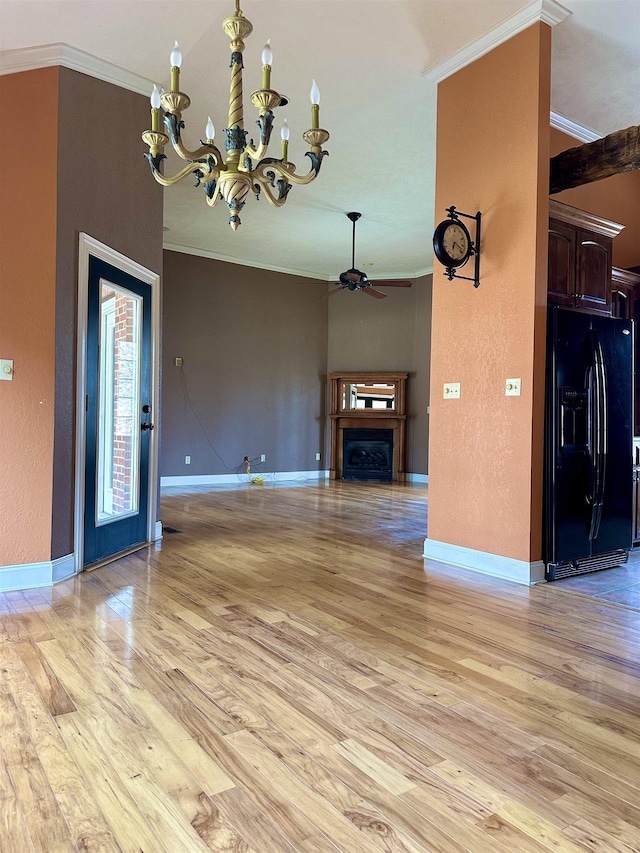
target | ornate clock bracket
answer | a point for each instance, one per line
(450, 272)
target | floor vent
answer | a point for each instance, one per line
(589, 564)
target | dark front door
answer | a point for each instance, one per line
(118, 416)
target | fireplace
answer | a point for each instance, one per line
(368, 426)
(367, 454)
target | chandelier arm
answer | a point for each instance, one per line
(266, 184)
(254, 153)
(287, 171)
(213, 200)
(206, 171)
(205, 151)
(173, 122)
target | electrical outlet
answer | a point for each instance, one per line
(451, 390)
(178, 362)
(318, 457)
(187, 460)
(263, 457)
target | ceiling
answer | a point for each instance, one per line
(369, 58)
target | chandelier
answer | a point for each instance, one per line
(246, 167)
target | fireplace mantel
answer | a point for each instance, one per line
(368, 401)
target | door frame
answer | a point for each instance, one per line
(90, 246)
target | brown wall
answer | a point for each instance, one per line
(485, 453)
(105, 190)
(616, 198)
(392, 334)
(254, 345)
(27, 313)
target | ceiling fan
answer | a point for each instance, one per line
(354, 279)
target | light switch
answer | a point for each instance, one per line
(512, 388)
(451, 390)
(6, 368)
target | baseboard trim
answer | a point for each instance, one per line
(158, 535)
(507, 568)
(33, 575)
(239, 479)
(417, 478)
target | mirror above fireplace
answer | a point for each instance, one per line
(368, 395)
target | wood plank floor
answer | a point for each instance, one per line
(282, 675)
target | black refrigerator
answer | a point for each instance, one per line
(588, 443)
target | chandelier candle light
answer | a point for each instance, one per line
(246, 167)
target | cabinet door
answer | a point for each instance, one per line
(625, 290)
(593, 289)
(562, 263)
(621, 302)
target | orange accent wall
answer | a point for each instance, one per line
(616, 198)
(485, 453)
(28, 199)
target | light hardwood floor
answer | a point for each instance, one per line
(283, 675)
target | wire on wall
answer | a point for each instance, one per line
(188, 402)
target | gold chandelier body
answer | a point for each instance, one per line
(246, 167)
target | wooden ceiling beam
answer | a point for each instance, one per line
(611, 155)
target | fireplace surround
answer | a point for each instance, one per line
(368, 426)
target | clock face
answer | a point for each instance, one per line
(455, 242)
(452, 243)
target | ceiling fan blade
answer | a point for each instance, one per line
(377, 293)
(393, 283)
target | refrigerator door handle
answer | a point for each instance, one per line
(599, 434)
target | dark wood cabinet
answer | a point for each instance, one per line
(580, 249)
(562, 263)
(625, 290)
(593, 290)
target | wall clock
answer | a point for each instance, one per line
(453, 245)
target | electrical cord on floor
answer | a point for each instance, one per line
(257, 479)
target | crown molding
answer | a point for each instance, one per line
(321, 277)
(548, 11)
(573, 129)
(227, 259)
(584, 219)
(48, 55)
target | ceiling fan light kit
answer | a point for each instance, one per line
(246, 166)
(453, 246)
(355, 279)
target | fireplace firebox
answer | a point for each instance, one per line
(367, 454)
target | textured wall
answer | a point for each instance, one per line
(27, 314)
(616, 198)
(392, 334)
(105, 190)
(254, 345)
(485, 454)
